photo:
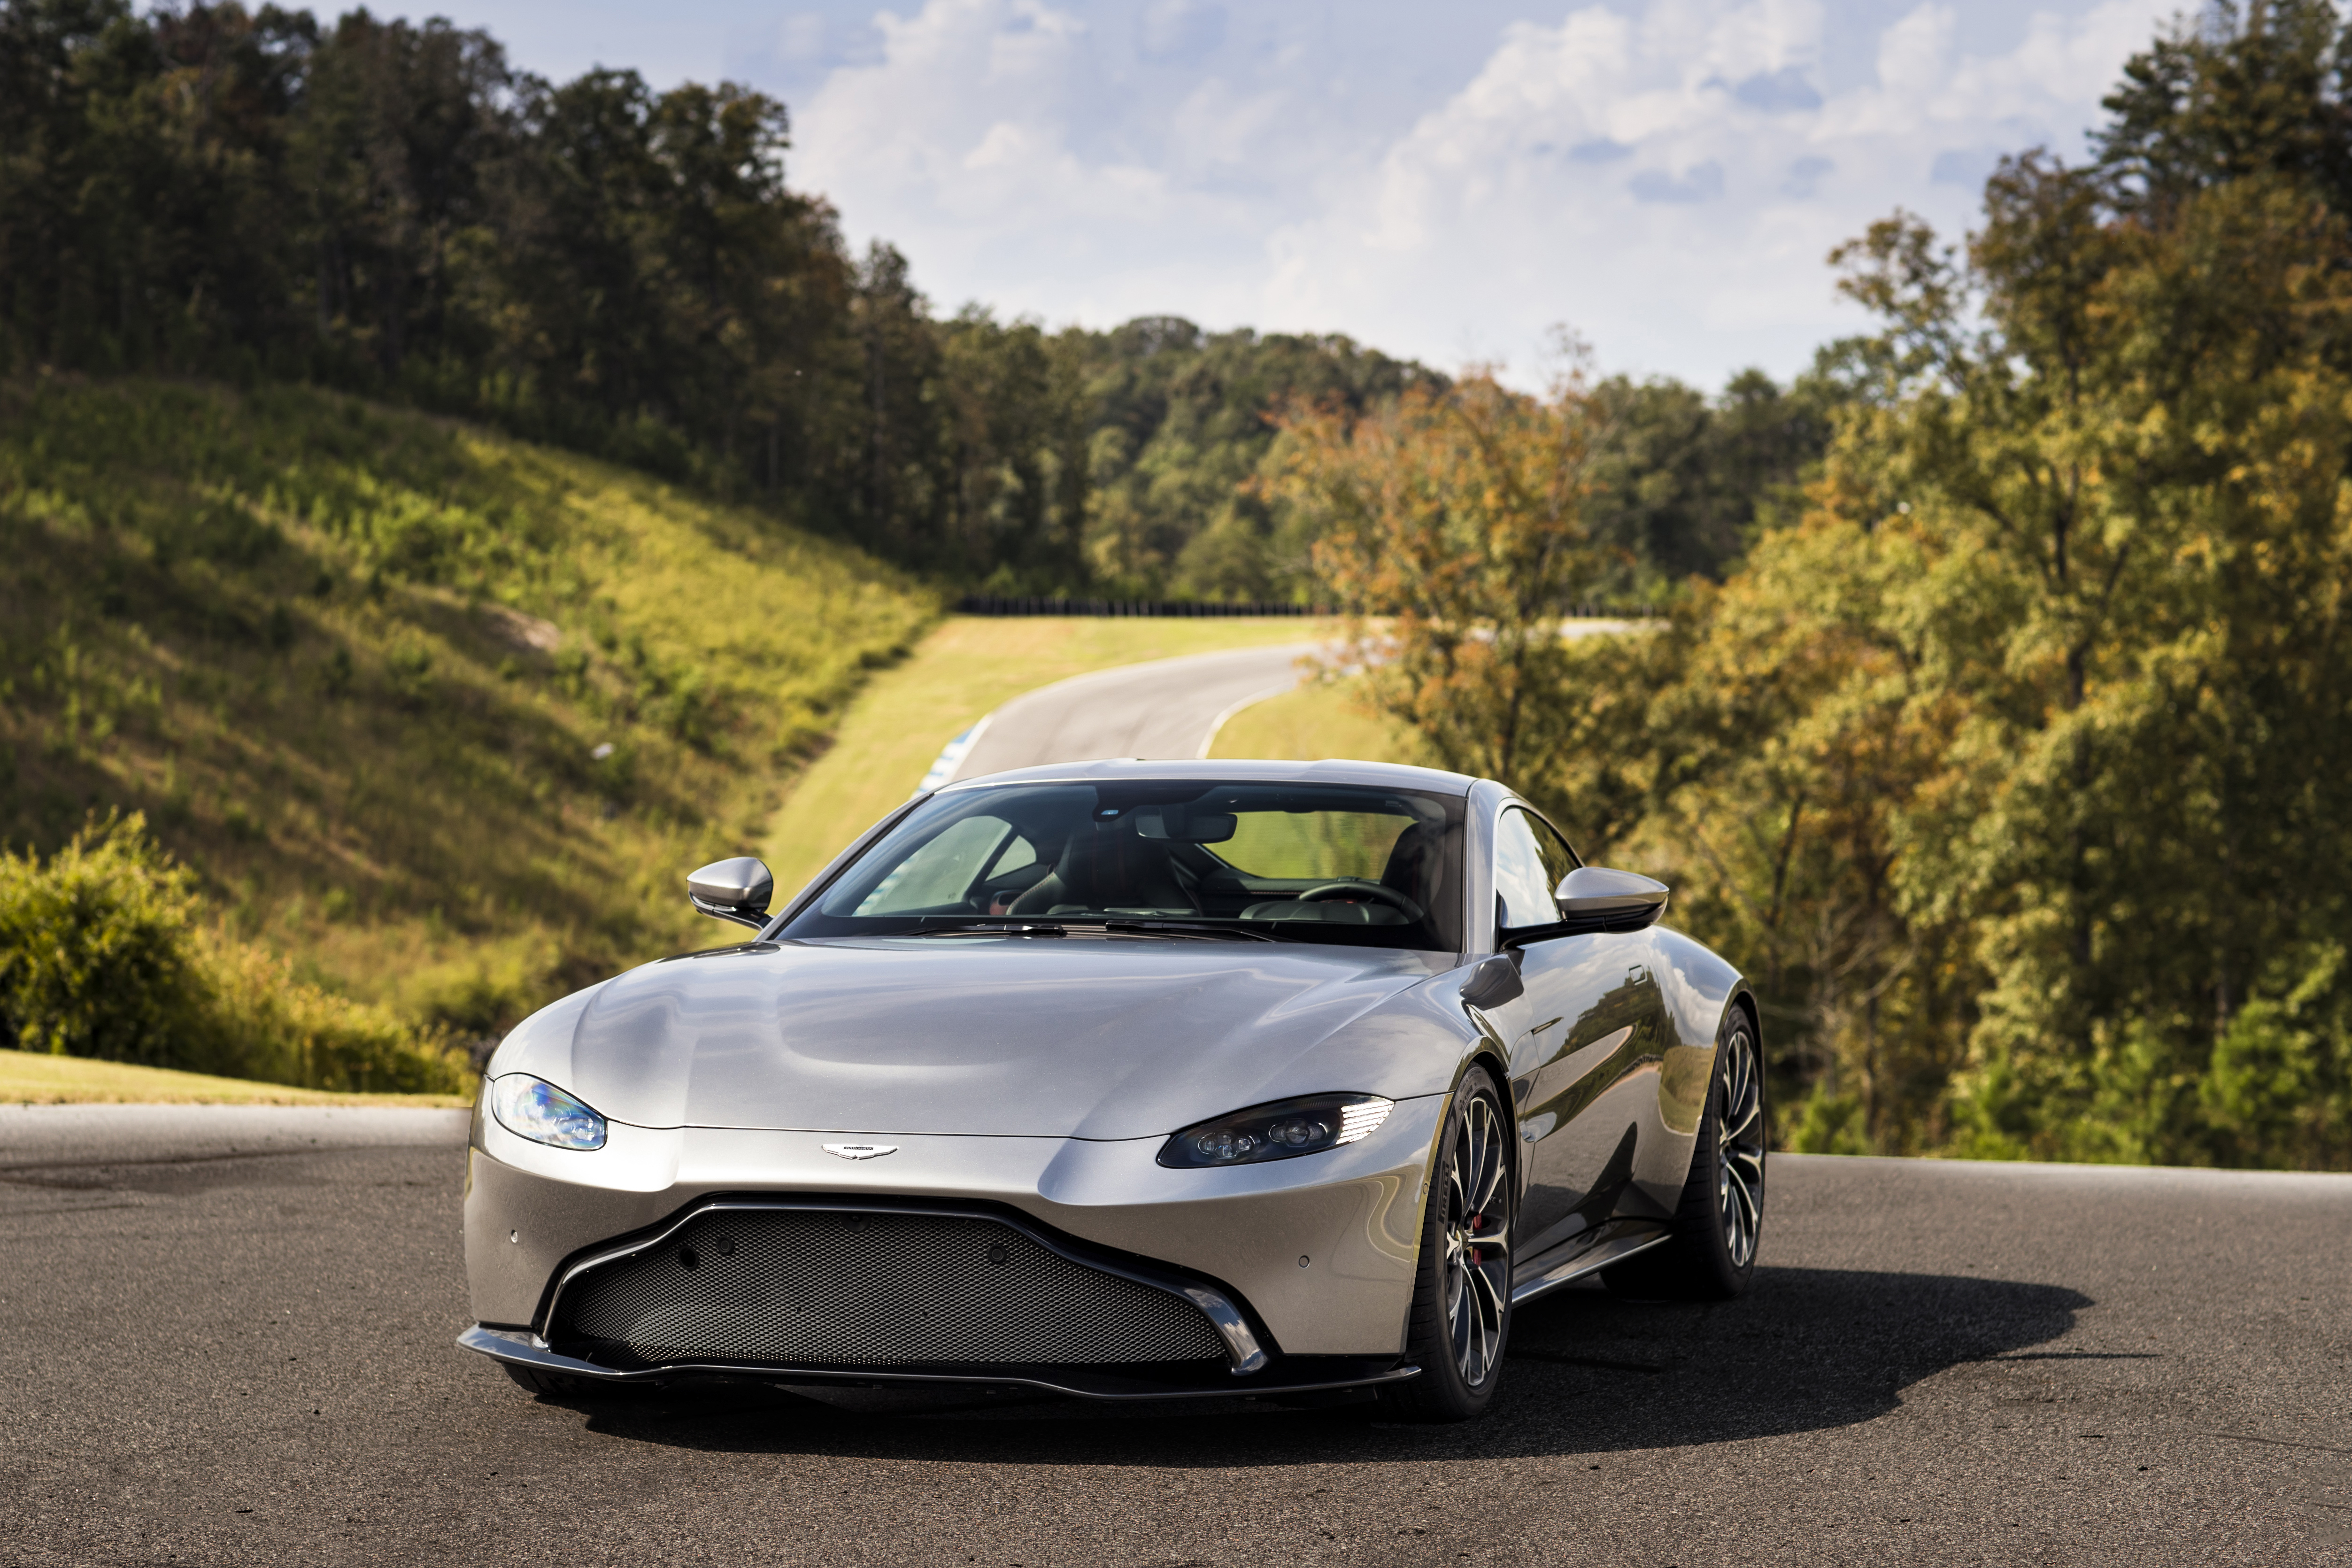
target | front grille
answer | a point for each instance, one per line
(847, 1288)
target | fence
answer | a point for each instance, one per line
(1000, 604)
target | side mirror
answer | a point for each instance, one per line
(737, 889)
(1591, 898)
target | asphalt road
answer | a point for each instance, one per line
(1165, 709)
(247, 1358)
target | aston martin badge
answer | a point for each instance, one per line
(861, 1151)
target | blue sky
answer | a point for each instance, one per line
(1447, 182)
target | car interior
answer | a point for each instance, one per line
(1326, 857)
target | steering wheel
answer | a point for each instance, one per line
(1379, 892)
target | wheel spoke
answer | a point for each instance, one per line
(1746, 1198)
(1475, 1235)
(1491, 1294)
(1739, 1150)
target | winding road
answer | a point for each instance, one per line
(1165, 710)
(228, 1340)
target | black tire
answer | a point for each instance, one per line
(1721, 1216)
(1461, 1319)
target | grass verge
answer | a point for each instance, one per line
(1320, 720)
(30, 1077)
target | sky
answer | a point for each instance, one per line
(1448, 182)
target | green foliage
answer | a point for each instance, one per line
(1182, 431)
(269, 1026)
(1456, 517)
(461, 621)
(95, 949)
(102, 954)
(1681, 483)
(2015, 766)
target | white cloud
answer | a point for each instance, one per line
(1664, 174)
(1696, 244)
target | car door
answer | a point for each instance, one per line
(1587, 1019)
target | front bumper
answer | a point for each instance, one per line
(1316, 1255)
(1295, 1375)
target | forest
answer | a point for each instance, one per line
(391, 209)
(2011, 760)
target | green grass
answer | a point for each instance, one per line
(1319, 719)
(357, 665)
(968, 667)
(29, 1077)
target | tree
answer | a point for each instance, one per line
(1458, 517)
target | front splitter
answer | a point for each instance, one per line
(1303, 1375)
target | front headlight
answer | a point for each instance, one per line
(1282, 1131)
(533, 1109)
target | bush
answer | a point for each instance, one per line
(102, 954)
(286, 1032)
(97, 949)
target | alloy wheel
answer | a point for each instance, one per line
(1478, 1233)
(1739, 1143)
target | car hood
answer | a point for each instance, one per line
(1009, 1037)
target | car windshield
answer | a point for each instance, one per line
(1327, 863)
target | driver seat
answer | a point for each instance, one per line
(1106, 870)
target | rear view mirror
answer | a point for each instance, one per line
(737, 889)
(1184, 825)
(1592, 898)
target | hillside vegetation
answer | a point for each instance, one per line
(438, 716)
(393, 209)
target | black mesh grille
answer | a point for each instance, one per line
(845, 1288)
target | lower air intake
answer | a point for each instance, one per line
(834, 1287)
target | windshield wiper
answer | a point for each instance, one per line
(1198, 929)
(989, 928)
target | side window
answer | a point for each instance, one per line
(1522, 888)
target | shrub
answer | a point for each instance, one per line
(102, 954)
(286, 1032)
(97, 949)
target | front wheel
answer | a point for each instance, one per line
(1713, 1253)
(1462, 1295)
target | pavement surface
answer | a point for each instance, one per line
(1164, 710)
(247, 1358)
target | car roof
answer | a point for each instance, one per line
(1228, 770)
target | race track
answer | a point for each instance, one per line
(1163, 710)
(247, 1358)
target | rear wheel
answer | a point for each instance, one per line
(1713, 1253)
(1462, 1297)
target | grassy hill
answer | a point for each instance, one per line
(440, 716)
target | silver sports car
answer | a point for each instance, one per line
(1130, 1080)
